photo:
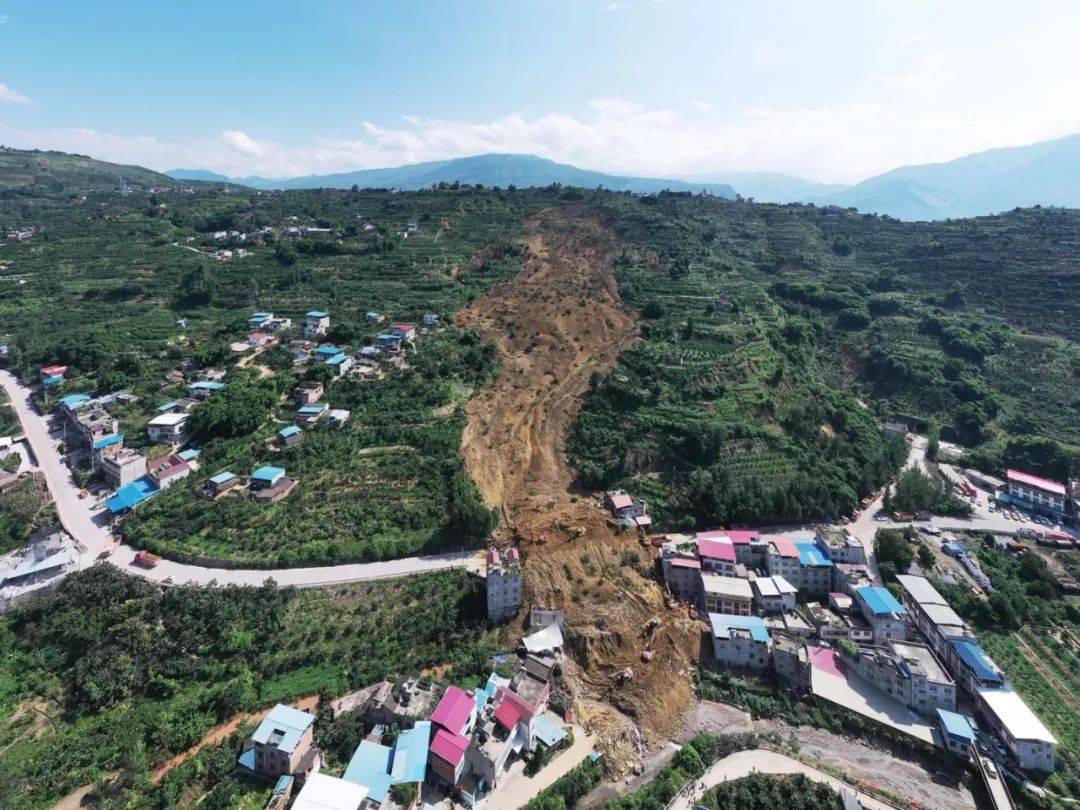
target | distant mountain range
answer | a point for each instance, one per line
(30, 169)
(489, 170)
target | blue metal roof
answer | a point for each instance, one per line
(267, 473)
(286, 432)
(336, 360)
(317, 313)
(957, 725)
(810, 554)
(328, 349)
(208, 385)
(724, 623)
(547, 732)
(290, 724)
(74, 400)
(222, 477)
(973, 655)
(387, 336)
(53, 379)
(109, 441)
(370, 767)
(411, 753)
(168, 406)
(879, 600)
(131, 495)
(311, 409)
(373, 313)
(189, 455)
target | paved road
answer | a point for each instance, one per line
(759, 760)
(91, 528)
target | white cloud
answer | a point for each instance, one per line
(701, 105)
(242, 143)
(917, 39)
(3, 19)
(611, 7)
(9, 95)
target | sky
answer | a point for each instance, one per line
(830, 91)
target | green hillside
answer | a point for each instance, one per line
(30, 171)
(776, 339)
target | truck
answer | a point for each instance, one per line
(144, 559)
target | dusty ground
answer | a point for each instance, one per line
(556, 324)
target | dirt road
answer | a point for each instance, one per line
(556, 324)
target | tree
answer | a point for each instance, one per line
(236, 410)
(933, 436)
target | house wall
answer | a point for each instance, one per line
(741, 650)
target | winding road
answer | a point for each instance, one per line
(91, 529)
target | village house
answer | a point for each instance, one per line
(774, 594)
(430, 319)
(123, 466)
(741, 641)
(218, 485)
(840, 545)
(167, 470)
(283, 743)
(791, 662)
(169, 428)
(311, 414)
(682, 573)
(317, 325)
(389, 342)
(270, 484)
(289, 436)
(201, 389)
(726, 595)
(908, 672)
(337, 418)
(887, 618)
(307, 392)
(340, 362)
(104, 446)
(377, 767)
(406, 330)
(717, 553)
(625, 507)
(320, 792)
(453, 721)
(932, 615)
(375, 317)
(958, 732)
(503, 583)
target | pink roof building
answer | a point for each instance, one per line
(716, 549)
(508, 715)
(621, 500)
(743, 537)
(784, 547)
(450, 747)
(714, 534)
(683, 562)
(1033, 481)
(455, 710)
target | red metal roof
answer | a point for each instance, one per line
(1045, 484)
(454, 709)
(713, 534)
(508, 715)
(784, 547)
(450, 747)
(743, 537)
(684, 562)
(621, 501)
(526, 709)
(716, 549)
(50, 371)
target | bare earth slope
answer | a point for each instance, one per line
(557, 323)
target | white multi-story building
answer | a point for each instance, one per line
(774, 594)
(1036, 493)
(503, 583)
(909, 673)
(726, 595)
(169, 428)
(887, 617)
(740, 640)
(317, 325)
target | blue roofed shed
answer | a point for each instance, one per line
(317, 313)
(328, 350)
(222, 478)
(73, 401)
(109, 441)
(548, 733)
(370, 767)
(957, 730)
(879, 601)
(411, 753)
(290, 430)
(131, 495)
(190, 455)
(810, 554)
(267, 476)
(975, 658)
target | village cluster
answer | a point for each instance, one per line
(458, 743)
(809, 610)
(92, 432)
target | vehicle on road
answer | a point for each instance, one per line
(144, 559)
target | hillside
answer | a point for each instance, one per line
(771, 186)
(34, 171)
(523, 171)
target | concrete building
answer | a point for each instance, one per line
(167, 470)
(972, 667)
(324, 792)
(840, 545)
(169, 428)
(931, 613)
(1022, 732)
(717, 553)
(726, 595)
(307, 392)
(1039, 494)
(740, 640)
(284, 743)
(774, 594)
(123, 466)
(815, 570)
(682, 573)
(317, 324)
(887, 618)
(909, 673)
(958, 732)
(624, 506)
(503, 583)
(791, 661)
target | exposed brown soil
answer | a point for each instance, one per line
(556, 324)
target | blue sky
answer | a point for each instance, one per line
(828, 90)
